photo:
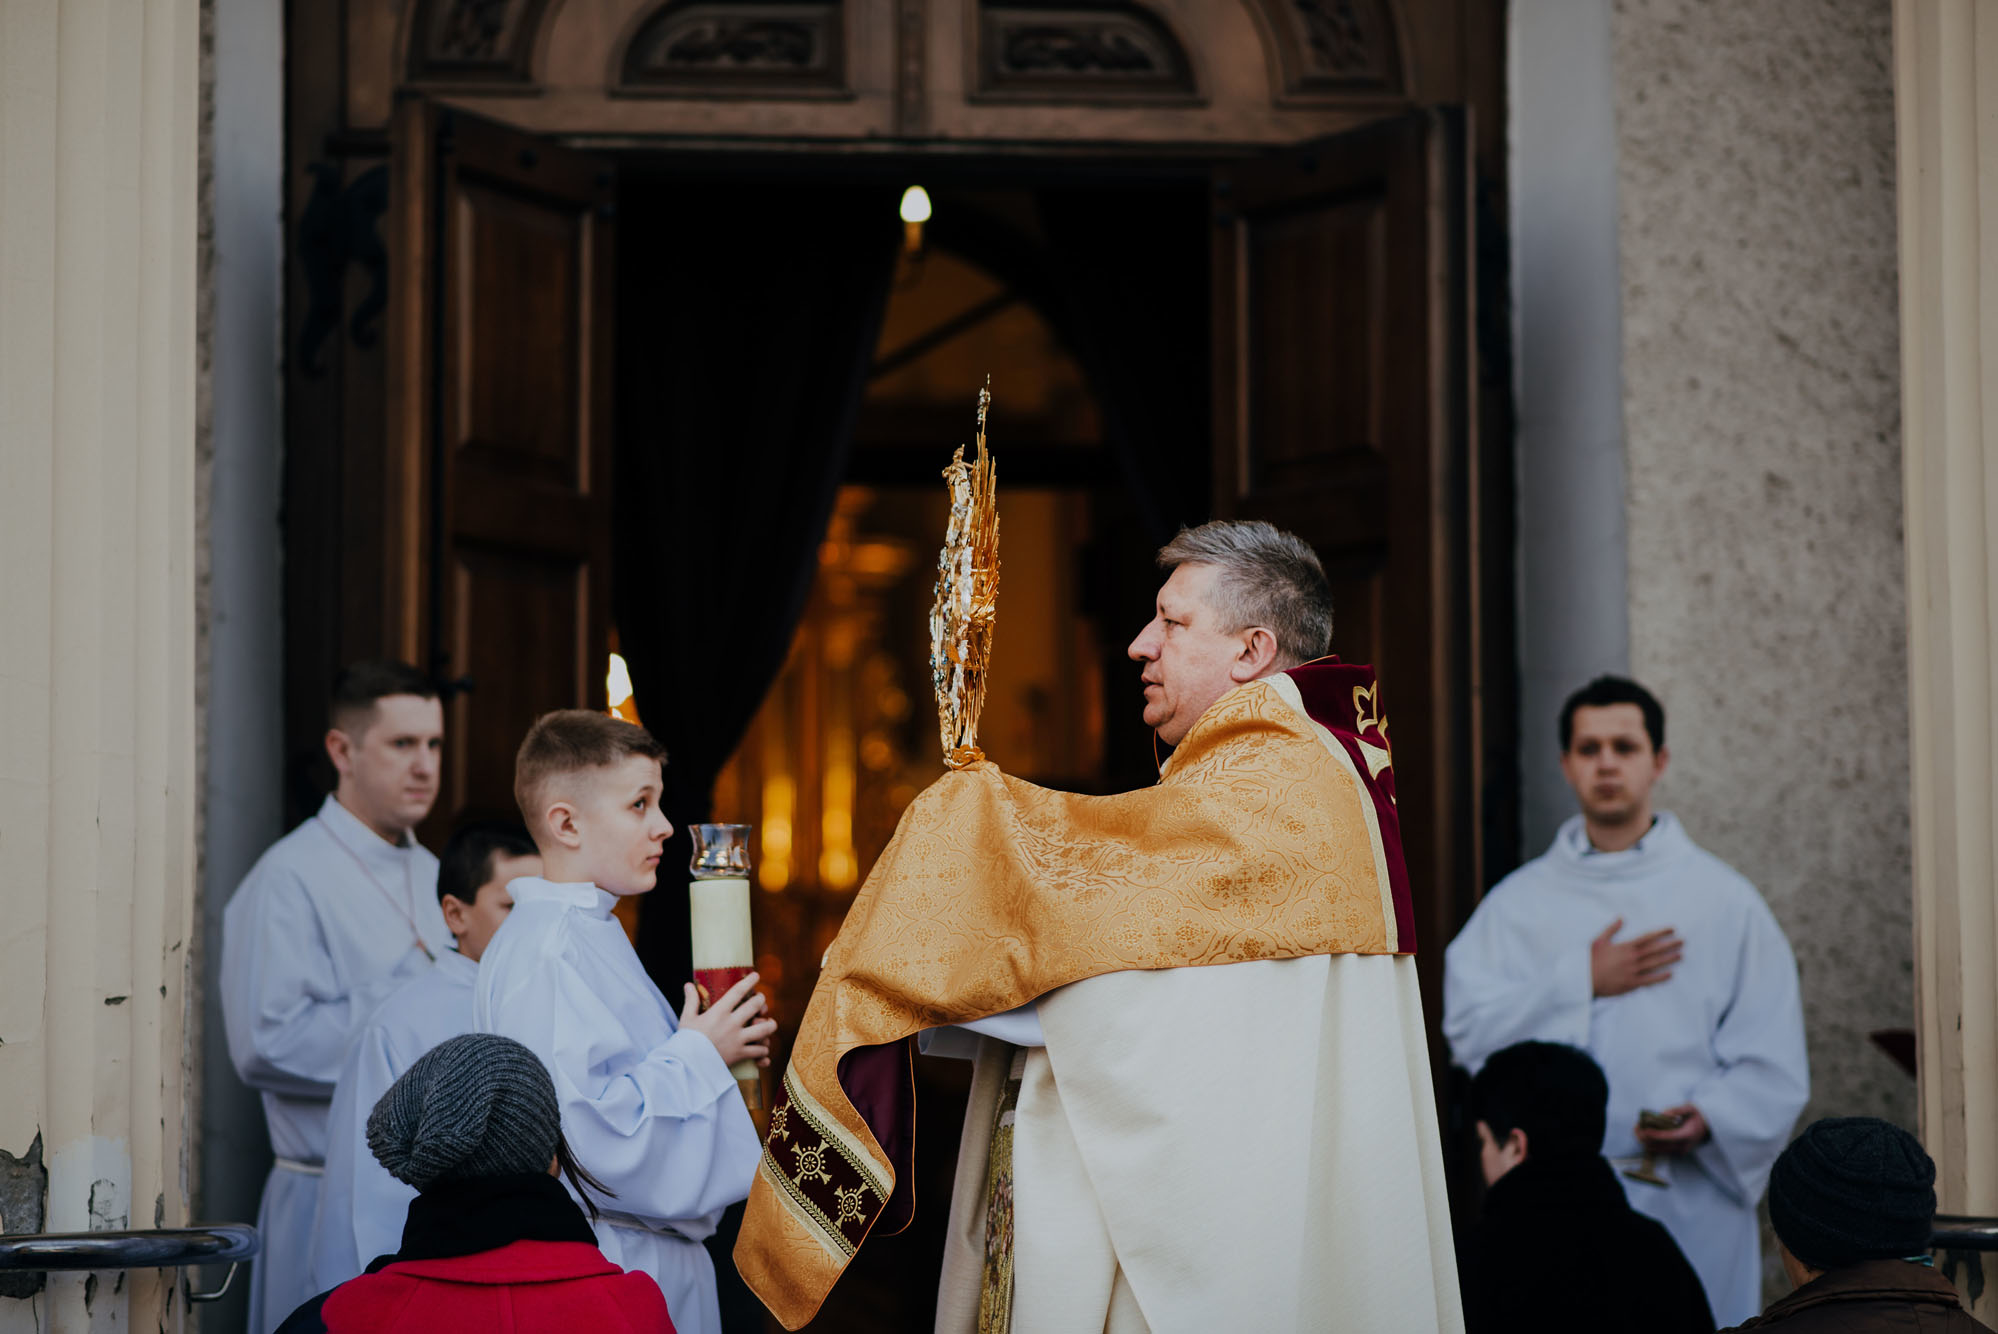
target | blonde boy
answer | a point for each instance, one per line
(648, 1103)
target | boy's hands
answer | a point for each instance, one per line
(731, 1022)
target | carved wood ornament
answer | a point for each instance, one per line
(487, 44)
(1089, 53)
(747, 50)
(1329, 50)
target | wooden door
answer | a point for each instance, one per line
(499, 403)
(1343, 401)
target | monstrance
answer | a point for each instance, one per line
(967, 598)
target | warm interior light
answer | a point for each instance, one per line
(915, 212)
(617, 687)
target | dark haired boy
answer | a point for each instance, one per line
(648, 1103)
(1559, 1248)
(362, 1207)
(1628, 940)
(332, 917)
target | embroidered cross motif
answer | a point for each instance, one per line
(849, 1203)
(811, 1162)
(779, 1115)
(1367, 714)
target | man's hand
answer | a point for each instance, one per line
(1690, 1134)
(1644, 962)
(731, 1022)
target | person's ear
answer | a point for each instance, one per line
(1256, 657)
(340, 750)
(1664, 758)
(456, 912)
(1514, 1147)
(560, 819)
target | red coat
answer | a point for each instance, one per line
(523, 1287)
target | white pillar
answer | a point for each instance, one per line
(1946, 109)
(98, 137)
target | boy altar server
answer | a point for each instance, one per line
(334, 916)
(1628, 940)
(361, 1207)
(648, 1103)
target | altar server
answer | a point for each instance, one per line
(648, 1103)
(331, 918)
(1628, 940)
(361, 1207)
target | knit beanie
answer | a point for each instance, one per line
(1853, 1188)
(477, 1105)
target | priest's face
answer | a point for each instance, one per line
(1611, 764)
(622, 830)
(1191, 657)
(390, 760)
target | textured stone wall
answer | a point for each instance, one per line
(1761, 404)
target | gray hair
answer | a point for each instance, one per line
(1265, 577)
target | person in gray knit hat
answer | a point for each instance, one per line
(492, 1240)
(476, 1105)
(1853, 1204)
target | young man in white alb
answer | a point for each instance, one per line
(331, 918)
(1630, 941)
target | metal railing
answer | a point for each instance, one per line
(1962, 1240)
(158, 1248)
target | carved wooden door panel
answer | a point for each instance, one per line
(1343, 412)
(499, 401)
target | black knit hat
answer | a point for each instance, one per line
(477, 1105)
(1853, 1188)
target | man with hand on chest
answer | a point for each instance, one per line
(331, 918)
(1629, 941)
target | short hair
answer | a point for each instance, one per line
(468, 857)
(1555, 1093)
(570, 740)
(1265, 577)
(1607, 690)
(361, 684)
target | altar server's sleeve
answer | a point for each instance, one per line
(361, 1207)
(287, 1014)
(1762, 1076)
(1501, 984)
(666, 1129)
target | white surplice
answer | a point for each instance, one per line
(361, 1207)
(1725, 1033)
(1247, 1146)
(650, 1111)
(323, 926)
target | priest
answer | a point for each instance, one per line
(1205, 1102)
(1630, 941)
(333, 916)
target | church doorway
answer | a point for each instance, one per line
(694, 403)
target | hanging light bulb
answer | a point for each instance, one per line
(915, 212)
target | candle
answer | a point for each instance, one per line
(723, 954)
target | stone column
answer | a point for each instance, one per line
(1946, 111)
(98, 136)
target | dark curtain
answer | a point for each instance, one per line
(746, 328)
(1133, 264)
